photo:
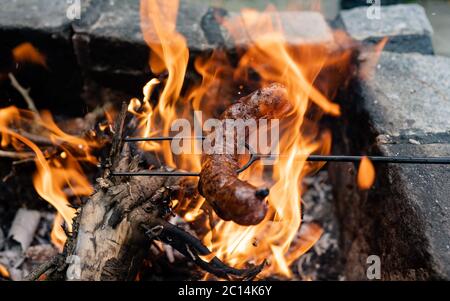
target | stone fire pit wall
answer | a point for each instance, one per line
(404, 109)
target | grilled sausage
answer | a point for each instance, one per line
(231, 198)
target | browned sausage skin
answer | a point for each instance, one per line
(232, 198)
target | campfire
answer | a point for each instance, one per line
(238, 225)
(216, 164)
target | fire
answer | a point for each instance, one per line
(279, 239)
(27, 53)
(295, 67)
(169, 53)
(366, 174)
(4, 271)
(55, 174)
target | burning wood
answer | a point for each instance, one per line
(110, 235)
(114, 229)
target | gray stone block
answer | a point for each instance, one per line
(44, 24)
(409, 96)
(422, 190)
(402, 111)
(346, 4)
(48, 16)
(109, 38)
(299, 28)
(197, 23)
(406, 25)
(404, 219)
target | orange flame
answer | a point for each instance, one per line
(54, 174)
(4, 271)
(27, 53)
(170, 53)
(295, 67)
(366, 174)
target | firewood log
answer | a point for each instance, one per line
(113, 231)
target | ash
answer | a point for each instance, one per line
(323, 260)
(19, 262)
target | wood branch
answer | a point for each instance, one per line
(25, 94)
(109, 239)
(89, 121)
(116, 147)
(114, 229)
(43, 269)
(112, 233)
(193, 248)
(105, 252)
(40, 140)
(85, 124)
(16, 155)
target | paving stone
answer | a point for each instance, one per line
(197, 23)
(44, 24)
(404, 219)
(109, 38)
(409, 97)
(346, 4)
(402, 111)
(109, 44)
(424, 191)
(43, 15)
(299, 28)
(406, 25)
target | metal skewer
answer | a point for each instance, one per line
(381, 159)
(255, 157)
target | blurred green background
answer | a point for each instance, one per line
(438, 12)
